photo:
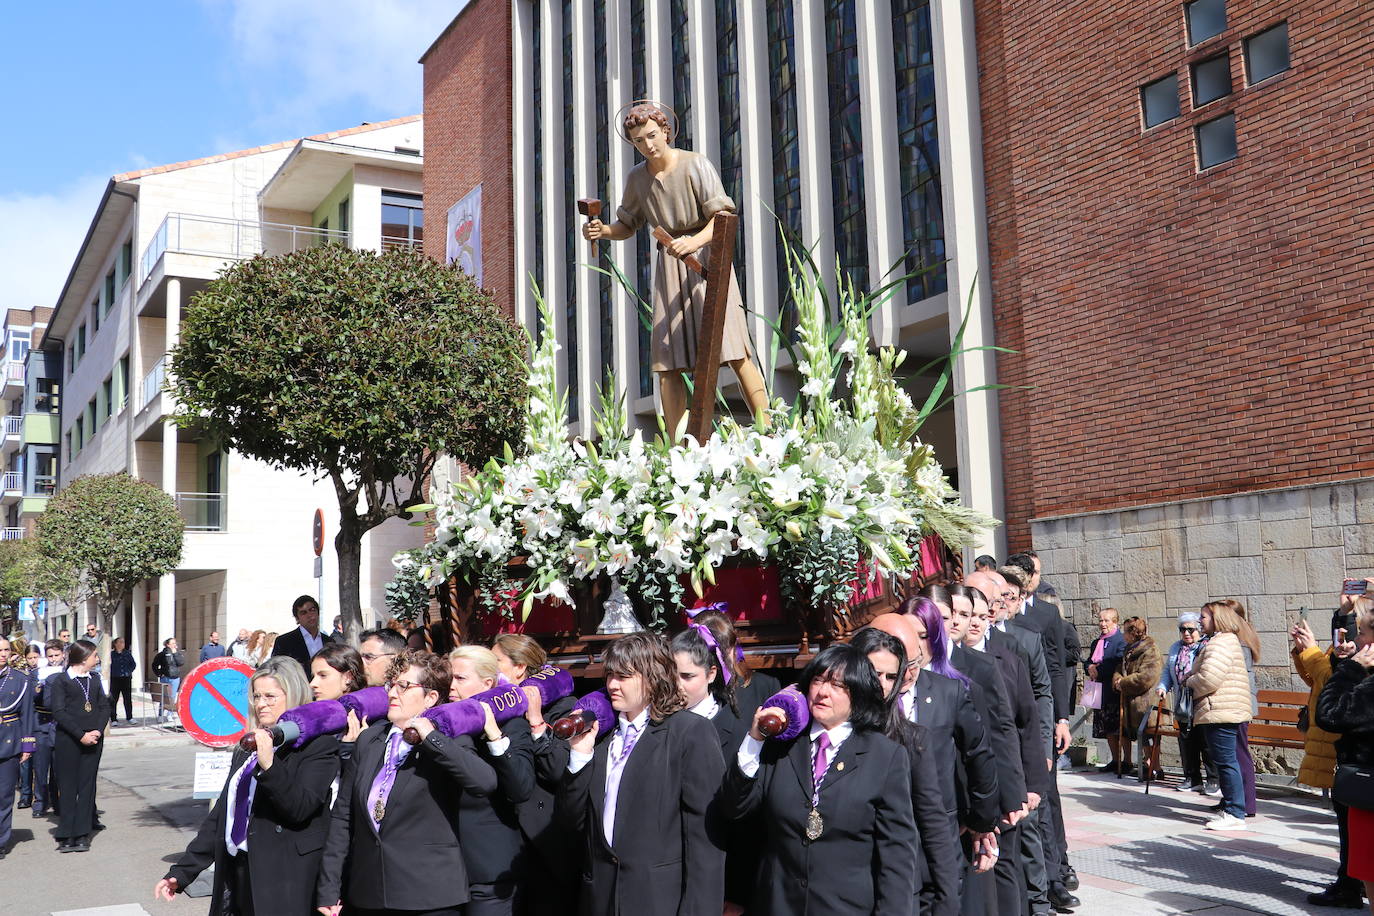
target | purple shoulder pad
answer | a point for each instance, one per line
(791, 702)
(465, 717)
(553, 683)
(322, 717)
(598, 704)
(370, 703)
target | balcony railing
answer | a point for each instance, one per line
(11, 480)
(230, 238)
(11, 534)
(202, 511)
(14, 426)
(153, 382)
(399, 241)
(14, 372)
(43, 485)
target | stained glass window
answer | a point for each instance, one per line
(846, 140)
(918, 149)
(572, 231)
(682, 72)
(603, 182)
(786, 149)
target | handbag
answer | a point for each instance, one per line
(1304, 720)
(1092, 695)
(1354, 786)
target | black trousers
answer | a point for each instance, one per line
(1010, 880)
(76, 766)
(490, 899)
(122, 686)
(1192, 748)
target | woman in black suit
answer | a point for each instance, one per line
(395, 823)
(266, 834)
(81, 711)
(488, 825)
(641, 799)
(840, 838)
(551, 851)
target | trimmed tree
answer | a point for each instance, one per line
(356, 366)
(100, 536)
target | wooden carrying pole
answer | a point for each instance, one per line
(711, 333)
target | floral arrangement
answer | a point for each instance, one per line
(816, 487)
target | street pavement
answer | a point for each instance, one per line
(1136, 855)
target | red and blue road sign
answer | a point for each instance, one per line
(213, 702)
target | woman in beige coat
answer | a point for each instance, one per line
(1221, 702)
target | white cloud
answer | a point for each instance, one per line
(297, 60)
(40, 235)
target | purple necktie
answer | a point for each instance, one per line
(628, 744)
(382, 782)
(238, 832)
(822, 759)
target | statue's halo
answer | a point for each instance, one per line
(624, 110)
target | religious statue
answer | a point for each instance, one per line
(678, 191)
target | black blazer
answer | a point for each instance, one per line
(292, 644)
(1002, 734)
(416, 863)
(667, 857)
(287, 827)
(937, 880)
(1044, 619)
(1025, 715)
(1029, 648)
(740, 838)
(957, 738)
(488, 825)
(864, 861)
(67, 702)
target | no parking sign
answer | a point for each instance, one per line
(213, 703)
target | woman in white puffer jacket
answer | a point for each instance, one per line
(1222, 700)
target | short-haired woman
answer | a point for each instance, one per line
(1192, 749)
(836, 800)
(488, 823)
(81, 710)
(1135, 681)
(1222, 700)
(1103, 660)
(641, 799)
(266, 834)
(395, 822)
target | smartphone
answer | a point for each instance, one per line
(1302, 614)
(1354, 587)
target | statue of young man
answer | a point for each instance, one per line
(679, 191)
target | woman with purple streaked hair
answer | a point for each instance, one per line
(925, 607)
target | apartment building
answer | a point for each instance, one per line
(31, 395)
(158, 236)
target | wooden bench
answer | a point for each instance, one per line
(1275, 726)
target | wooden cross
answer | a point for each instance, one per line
(711, 333)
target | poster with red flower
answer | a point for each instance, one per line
(464, 237)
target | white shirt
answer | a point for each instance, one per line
(313, 644)
(239, 649)
(752, 748)
(614, 768)
(980, 646)
(707, 708)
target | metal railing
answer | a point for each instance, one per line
(43, 485)
(399, 241)
(201, 511)
(153, 382)
(11, 534)
(14, 426)
(229, 238)
(11, 480)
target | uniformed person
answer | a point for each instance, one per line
(17, 727)
(81, 711)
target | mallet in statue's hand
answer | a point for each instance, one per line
(591, 209)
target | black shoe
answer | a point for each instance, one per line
(1070, 881)
(38, 812)
(66, 845)
(97, 826)
(25, 804)
(81, 844)
(1337, 897)
(1107, 768)
(1219, 806)
(1062, 900)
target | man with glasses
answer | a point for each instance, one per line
(378, 648)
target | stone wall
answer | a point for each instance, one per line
(1274, 550)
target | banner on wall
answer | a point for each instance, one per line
(465, 234)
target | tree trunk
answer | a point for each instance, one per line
(348, 546)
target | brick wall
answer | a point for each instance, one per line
(467, 86)
(1187, 334)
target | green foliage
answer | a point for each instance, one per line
(102, 535)
(407, 595)
(818, 571)
(13, 556)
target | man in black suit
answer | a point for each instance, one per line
(395, 822)
(303, 642)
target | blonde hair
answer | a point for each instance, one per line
(288, 673)
(483, 662)
(1228, 616)
(1116, 615)
(1363, 609)
(523, 650)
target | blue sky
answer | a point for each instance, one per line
(94, 88)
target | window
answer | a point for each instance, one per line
(95, 315)
(126, 260)
(107, 393)
(1266, 54)
(570, 233)
(679, 28)
(18, 345)
(79, 435)
(1216, 141)
(71, 359)
(918, 148)
(1211, 80)
(122, 382)
(48, 398)
(786, 145)
(727, 99)
(109, 290)
(846, 140)
(81, 343)
(644, 244)
(91, 415)
(1159, 100)
(343, 215)
(403, 218)
(601, 104)
(1206, 18)
(70, 454)
(537, 134)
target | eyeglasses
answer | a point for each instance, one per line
(401, 686)
(373, 656)
(1187, 629)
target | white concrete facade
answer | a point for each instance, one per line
(247, 552)
(966, 436)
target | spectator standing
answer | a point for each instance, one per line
(122, 666)
(1192, 749)
(239, 647)
(254, 654)
(306, 639)
(1222, 700)
(1103, 660)
(212, 649)
(167, 667)
(378, 648)
(65, 635)
(1141, 665)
